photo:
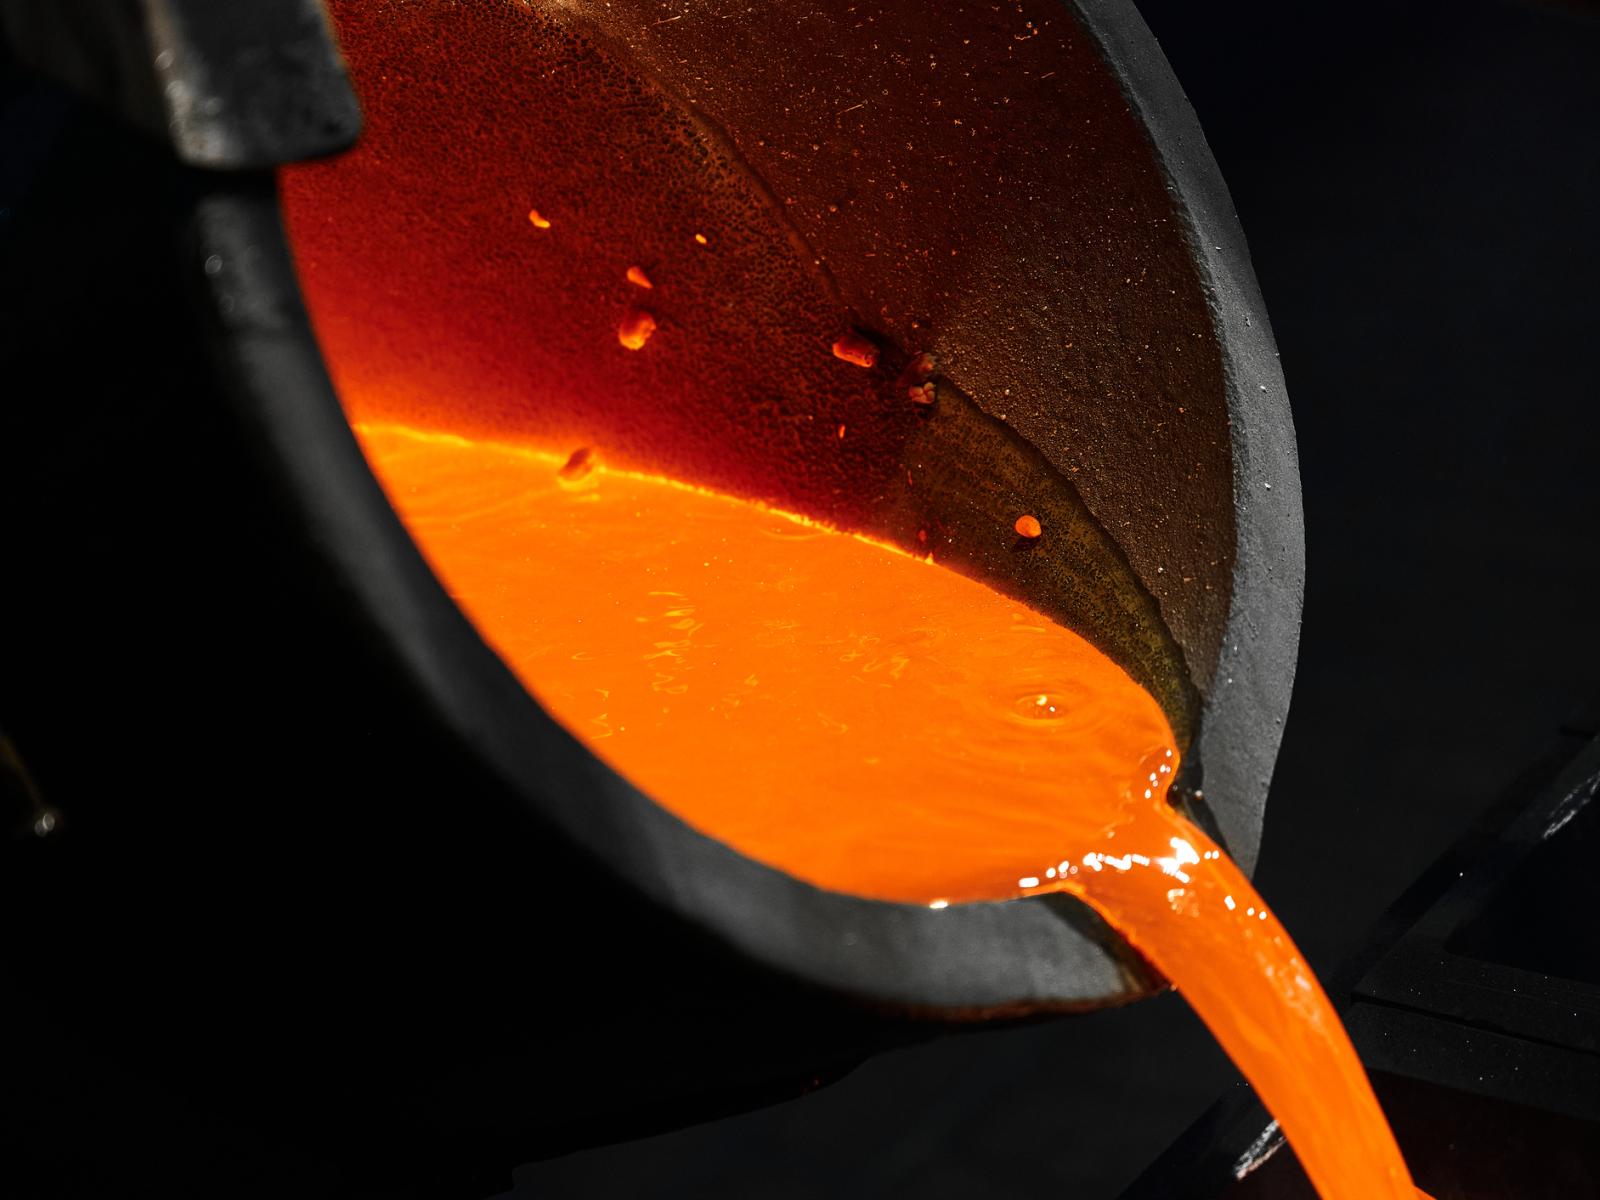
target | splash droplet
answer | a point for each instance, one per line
(536, 220)
(636, 329)
(854, 348)
(638, 278)
(578, 466)
(1028, 526)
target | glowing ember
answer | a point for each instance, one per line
(854, 348)
(636, 329)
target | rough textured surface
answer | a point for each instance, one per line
(1002, 210)
(975, 182)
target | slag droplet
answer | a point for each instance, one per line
(578, 466)
(636, 329)
(854, 348)
(1028, 526)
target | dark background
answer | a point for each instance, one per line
(1419, 185)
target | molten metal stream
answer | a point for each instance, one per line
(878, 725)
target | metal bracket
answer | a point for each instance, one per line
(230, 86)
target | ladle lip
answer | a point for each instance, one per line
(1241, 722)
(977, 959)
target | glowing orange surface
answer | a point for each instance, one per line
(878, 725)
